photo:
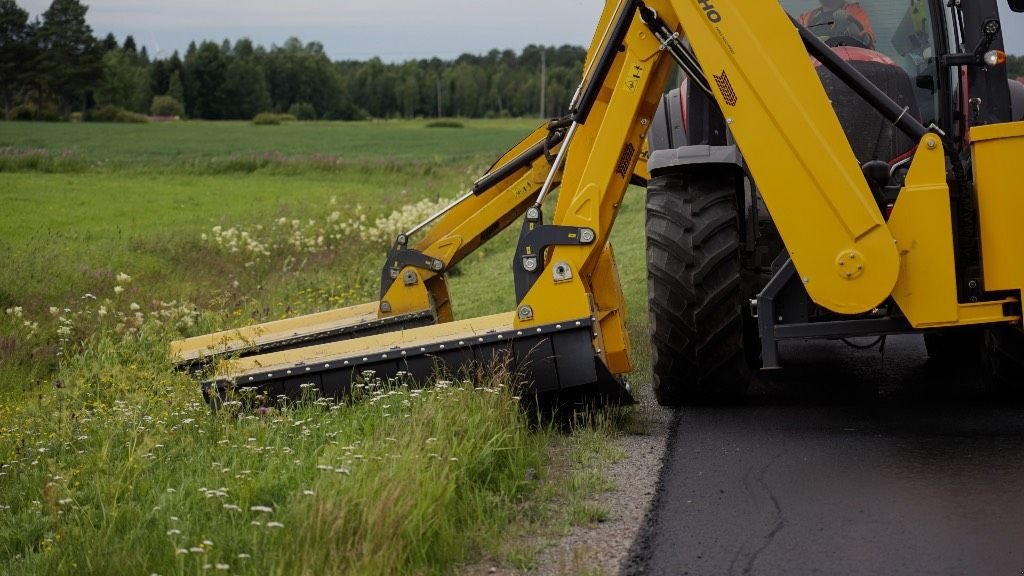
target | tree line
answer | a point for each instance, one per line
(54, 68)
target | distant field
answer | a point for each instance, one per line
(158, 144)
(60, 230)
(118, 238)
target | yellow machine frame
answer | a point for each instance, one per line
(848, 257)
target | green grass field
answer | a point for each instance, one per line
(117, 239)
(195, 145)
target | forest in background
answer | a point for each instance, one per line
(54, 68)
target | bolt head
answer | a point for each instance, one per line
(437, 265)
(850, 264)
(385, 306)
(530, 263)
(533, 214)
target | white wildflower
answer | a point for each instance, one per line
(266, 509)
(134, 307)
(118, 289)
(123, 278)
(275, 525)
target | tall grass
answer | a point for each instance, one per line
(120, 468)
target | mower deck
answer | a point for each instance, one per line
(552, 358)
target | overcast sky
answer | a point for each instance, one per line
(394, 30)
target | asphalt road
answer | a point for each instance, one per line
(846, 462)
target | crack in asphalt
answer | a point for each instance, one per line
(780, 518)
(911, 432)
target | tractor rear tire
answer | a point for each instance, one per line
(1003, 361)
(695, 295)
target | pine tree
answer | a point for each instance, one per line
(109, 43)
(204, 74)
(15, 50)
(70, 63)
(175, 89)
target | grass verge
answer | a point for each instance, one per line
(121, 469)
(109, 461)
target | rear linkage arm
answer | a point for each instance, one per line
(401, 256)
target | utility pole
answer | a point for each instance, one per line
(543, 78)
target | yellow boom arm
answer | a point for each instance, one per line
(751, 58)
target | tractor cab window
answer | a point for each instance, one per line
(901, 31)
